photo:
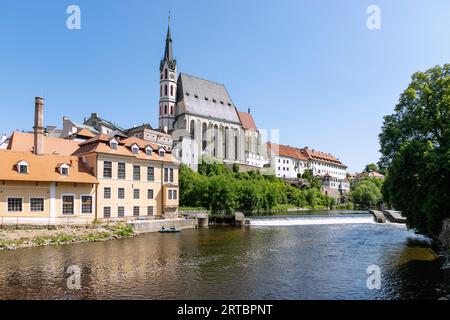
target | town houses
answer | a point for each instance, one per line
(96, 169)
(45, 179)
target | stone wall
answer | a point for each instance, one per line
(146, 226)
(445, 234)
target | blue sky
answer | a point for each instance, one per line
(309, 68)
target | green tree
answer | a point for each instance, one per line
(366, 193)
(415, 147)
(371, 167)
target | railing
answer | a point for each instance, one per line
(35, 221)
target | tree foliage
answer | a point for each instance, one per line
(415, 147)
(367, 192)
(222, 190)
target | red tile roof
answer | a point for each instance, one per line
(43, 168)
(247, 121)
(286, 151)
(21, 141)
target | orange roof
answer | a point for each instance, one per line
(140, 142)
(43, 168)
(99, 138)
(247, 121)
(98, 145)
(286, 151)
(321, 156)
(85, 133)
(21, 141)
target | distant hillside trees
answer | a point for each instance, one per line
(221, 190)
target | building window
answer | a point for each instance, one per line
(166, 174)
(170, 194)
(121, 212)
(14, 204)
(150, 194)
(68, 204)
(121, 193)
(171, 175)
(86, 204)
(107, 169)
(171, 110)
(135, 149)
(162, 153)
(149, 210)
(165, 109)
(148, 151)
(64, 171)
(137, 173)
(121, 173)
(107, 193)
(165, 73)
(171, 91)
(107, 212)
(150, 174)
(23, 169)
(165, 90)
(113, 144)
(136, 193)
(174, 195)
(136, 212)
(36, 204)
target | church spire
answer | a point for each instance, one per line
(168, 51)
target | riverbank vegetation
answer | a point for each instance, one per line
(12, 239)
(223, 191)
(415, 147)
(366, 193)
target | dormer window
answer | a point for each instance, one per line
(113, 144)
(196, 96)
(229, 104)
(162, 152)
(64, 169)
(206, 98)
(22, 167)
(135, 149)
(149, 151)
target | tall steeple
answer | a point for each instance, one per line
(168, 51)
(168, 86)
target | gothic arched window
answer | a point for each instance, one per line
(165, 109)
(165, 74)
(165, 90)
(171, 91)
(171, 109)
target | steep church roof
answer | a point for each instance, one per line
(247, 121)
(206, 98)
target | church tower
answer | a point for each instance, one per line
(168, 86)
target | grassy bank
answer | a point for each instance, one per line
(22, 238)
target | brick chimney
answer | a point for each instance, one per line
(39, 126)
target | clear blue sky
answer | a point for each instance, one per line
(310, 68)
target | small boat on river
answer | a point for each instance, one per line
(169, 230)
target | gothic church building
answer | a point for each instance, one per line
(203, 120)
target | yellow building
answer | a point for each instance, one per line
(136, 178)
(45, 189)
(50, 180)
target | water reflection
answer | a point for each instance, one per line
(272, 262)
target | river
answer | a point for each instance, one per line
(324, 255)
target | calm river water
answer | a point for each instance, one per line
(320, 256)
